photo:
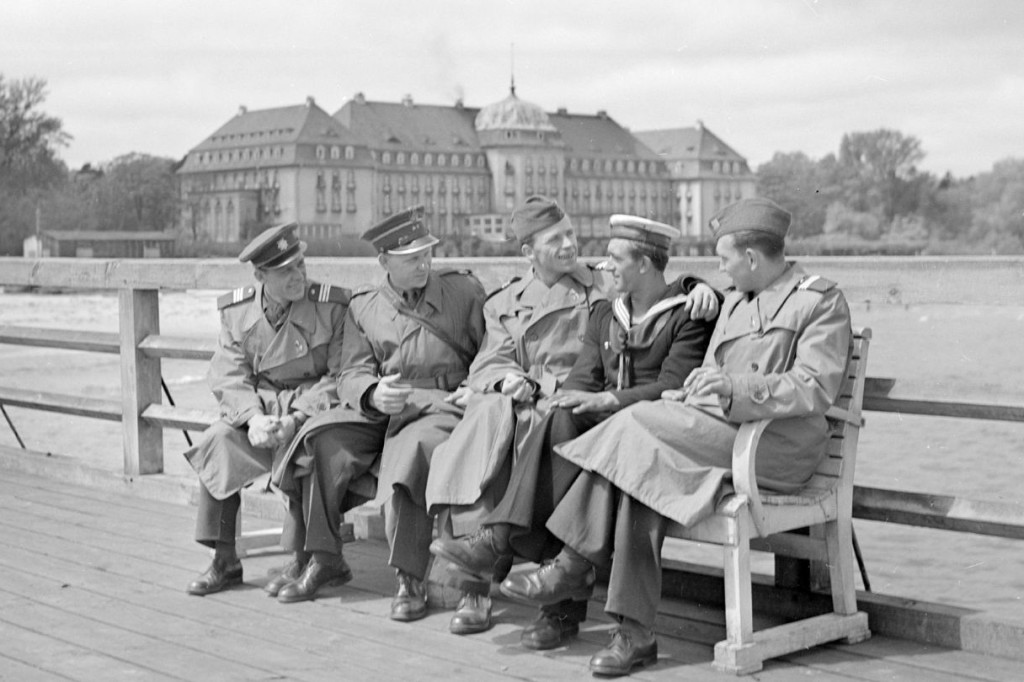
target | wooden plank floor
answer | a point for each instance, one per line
(92, 588)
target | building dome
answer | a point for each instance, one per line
(513, 113)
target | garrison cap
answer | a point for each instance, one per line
(275, 247)
(637, 229)
(538, 213)
(759, 215)
(402, 232)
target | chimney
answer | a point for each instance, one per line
(407, 101)
(602, 113)
(242, 111)
(360, 98)
(459, 104)
(310, 102)
(562, 111)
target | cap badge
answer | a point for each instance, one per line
(282, 244)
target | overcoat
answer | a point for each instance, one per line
(433, 355)
(259, 370)
(786, 351)
(534, 331)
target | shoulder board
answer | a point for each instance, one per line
(504, 286)
(363, 289)
(325, 293)
(234, 297)
(453, 271)
(816, 283)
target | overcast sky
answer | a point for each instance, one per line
(766, 75)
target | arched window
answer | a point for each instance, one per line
(350, 152)
(335, 153)
(321, 152)
(414, 159)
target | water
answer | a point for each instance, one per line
(951, 351)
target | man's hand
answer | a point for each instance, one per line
(261, 430)
(676, 394)
(705, 381)
(390, 395)
(702, 303)
(285, 431)
(582, 401)
(518, 387)
(460, 396)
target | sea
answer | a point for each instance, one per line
(949, 351)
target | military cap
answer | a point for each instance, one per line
(275, 247)
(759, 215)
(400, 233)
(637, 229)
(538, 213)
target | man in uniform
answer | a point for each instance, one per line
(535, 329)
(641, 344)
(408, 344)
(779, 351)
(277, 362)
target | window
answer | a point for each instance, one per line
(350, 192)
(321, 152)
(414, 159)
(321, 201)
(400, 158)
(467, 161)
(336, 191)
(385, 158)
(455, 160)
(428, 159)
(335, 153)
(441, 159)
(481, 161)
(350, 152)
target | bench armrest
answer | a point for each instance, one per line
(744, 455)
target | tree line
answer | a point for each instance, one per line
(869, 197)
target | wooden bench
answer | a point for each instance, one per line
(751, 519)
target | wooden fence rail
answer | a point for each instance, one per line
(141, 347)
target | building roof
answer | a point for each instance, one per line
(513, 113)
(409, 126)
(304, 122)
(107, 235)
(598, 135)
(688, 143)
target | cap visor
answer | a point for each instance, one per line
(424, 242)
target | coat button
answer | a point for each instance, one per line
(754, 367)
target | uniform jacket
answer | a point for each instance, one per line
(637, 361)
(536, 331)
(786, 352)
(259, 370)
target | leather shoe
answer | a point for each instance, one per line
(628, 649)
(410, 602)
(475, 554)
(551, 583)
(316, 575)
(219, 576)
(549, 631)
(472, 615)
(290, 573)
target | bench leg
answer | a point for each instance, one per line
(737, 653)
(842, 573)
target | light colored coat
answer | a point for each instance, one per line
(786, 351)
(259, 370)
(532, 330)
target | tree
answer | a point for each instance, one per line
(998, 221)
(878, 171)
(29, 165)
(802, 186)
(137, 192)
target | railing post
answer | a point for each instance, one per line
(139, 312)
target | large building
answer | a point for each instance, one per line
(337, 175)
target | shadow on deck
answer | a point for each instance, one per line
(92, 588)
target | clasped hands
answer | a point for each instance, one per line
(703, 381)
(268, 431)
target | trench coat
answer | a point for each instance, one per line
(381, 340)
(534, 331)
(786, 351)
(259, 370)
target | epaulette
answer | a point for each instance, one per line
(816, 283)
(504, 286)
(325, 293)
(363, 289)
(453, 271)
(234, 297)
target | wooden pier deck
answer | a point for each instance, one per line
(92, 588)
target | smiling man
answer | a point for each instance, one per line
(779, 352)
(277, 362)
(643, 342)
(409, 342)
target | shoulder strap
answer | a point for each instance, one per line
(465, 354)
(325, 293)
(236, 296)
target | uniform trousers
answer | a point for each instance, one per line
(216, 519)
(605, 525)
(331, 463)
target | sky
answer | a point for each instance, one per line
(766, 76)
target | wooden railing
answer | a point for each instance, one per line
(142, 347)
